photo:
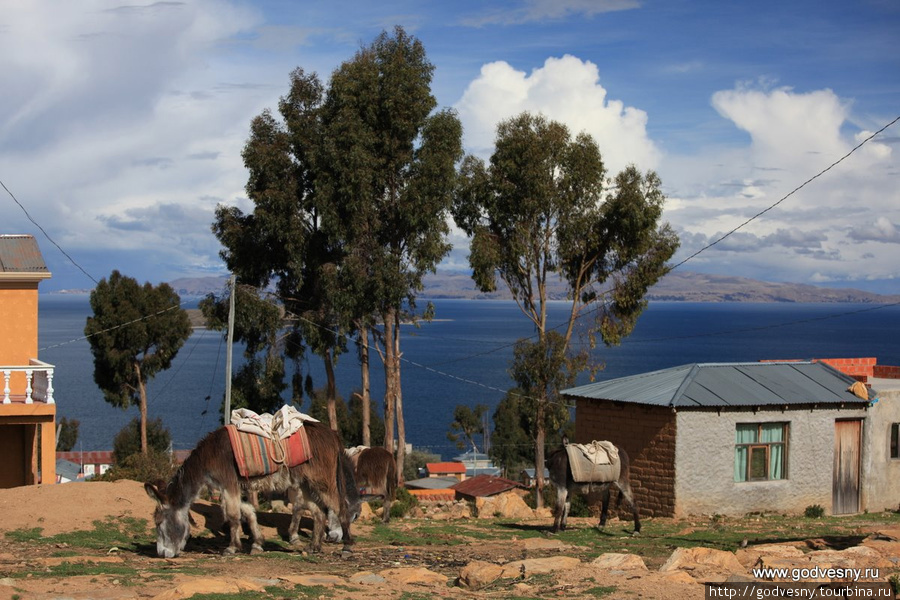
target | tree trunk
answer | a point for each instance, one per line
(389, 396)
(398, 391)
(366, 398)
(331, 389)
(142, 389)
(539, 439)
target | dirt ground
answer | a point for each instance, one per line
(376, 569)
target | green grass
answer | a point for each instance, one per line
(126, 533)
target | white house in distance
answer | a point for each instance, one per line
(733, 438)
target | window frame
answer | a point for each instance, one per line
(765, 447)
(894, 441)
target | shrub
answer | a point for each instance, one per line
(814, 511)
(128, 440)
(403, 504)
(154, 466)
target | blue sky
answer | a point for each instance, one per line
(121, 125)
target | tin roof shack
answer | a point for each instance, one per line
(27, 407)
(483, 486)
(734, 438)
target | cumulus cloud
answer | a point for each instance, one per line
(564, 89)
(786, 225)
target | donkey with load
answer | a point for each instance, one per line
(323, 482)
(590, 469)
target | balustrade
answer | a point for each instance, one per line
(38, 383)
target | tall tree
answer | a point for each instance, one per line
(388, 174)
(540, 211)
(283, 239)
(134, 333)
(467, 423)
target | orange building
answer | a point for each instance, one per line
(27, 408)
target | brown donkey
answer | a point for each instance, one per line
(320, 482)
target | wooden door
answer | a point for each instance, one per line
(845, 489)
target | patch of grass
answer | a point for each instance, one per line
(82, 569)
(25, 535)
(600, 591)
(124, 533)
(425, 533)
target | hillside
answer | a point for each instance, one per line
(678, 286)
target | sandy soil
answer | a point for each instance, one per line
(30, 570)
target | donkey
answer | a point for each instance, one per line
(212, 464)
(375, 469)
(561, 476)
(299, 501)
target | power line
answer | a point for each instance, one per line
(47, 235)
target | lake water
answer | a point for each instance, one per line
(461, 358)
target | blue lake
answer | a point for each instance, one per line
(461, 358)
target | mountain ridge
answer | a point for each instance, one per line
(678, 286)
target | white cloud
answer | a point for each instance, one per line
(564, 89)
(117, 116)
(840, 218)
(543, 10)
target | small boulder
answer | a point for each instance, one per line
(406, 575)
(478, 574)
(508, 505)
(613, 561)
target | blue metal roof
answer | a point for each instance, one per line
(716, 385)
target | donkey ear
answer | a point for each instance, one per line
(565, 440)
(154, 493)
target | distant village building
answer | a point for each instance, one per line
(455, 470)
(483, 486)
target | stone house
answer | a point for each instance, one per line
(735, 438)
(27, 406)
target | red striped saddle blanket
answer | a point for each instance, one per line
(257, 455)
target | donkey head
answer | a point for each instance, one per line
(173, 526)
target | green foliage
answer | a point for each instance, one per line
(403, 504)
(258, 322)
(539, 212)
(156, 465)
(467, 423)
(814, 511)
(68, 434)
(128, 441)
(135, 332)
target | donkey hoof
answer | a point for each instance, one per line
(256, 549)
(346, 552)
(229, 551)
(635, 534)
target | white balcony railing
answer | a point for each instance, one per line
(38, 383)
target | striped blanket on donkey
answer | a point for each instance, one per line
(260, 455)
(596, 462)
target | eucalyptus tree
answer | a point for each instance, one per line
(540, 211)
(388, 171)
(135, 332)
(283, 240)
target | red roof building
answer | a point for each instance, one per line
(446, 469)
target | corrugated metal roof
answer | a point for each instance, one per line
(485, 485)
(432, 483)
(728, 384)
(20, 254)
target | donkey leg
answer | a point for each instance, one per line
(386, 517)
(249, 515)
(561, 509)
(231, 509)
(604, 506)
(626, 493)
(294, 527)
(318, 532)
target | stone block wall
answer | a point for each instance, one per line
(647, 434)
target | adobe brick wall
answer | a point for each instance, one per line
(886, 372)
(647, 434)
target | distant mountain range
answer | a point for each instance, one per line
(678, 286)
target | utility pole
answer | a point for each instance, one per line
(226, 414)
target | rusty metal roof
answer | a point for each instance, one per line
(485, 485)
(20, 254)
(714, 385)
